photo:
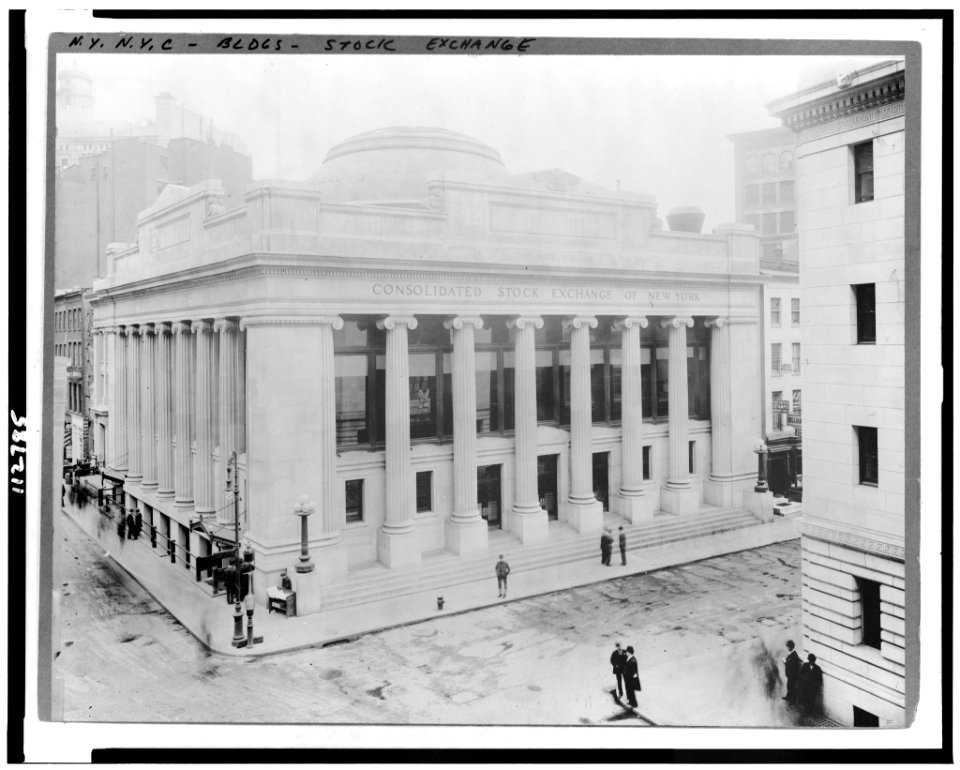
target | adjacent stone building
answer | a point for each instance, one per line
(435, 351)
(851, 204)
(71, 341)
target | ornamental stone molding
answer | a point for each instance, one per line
(181, 327)
(629, 322)
(131, 330)
(291, 320)
(677, 321)
(522, 321)
(460, 321)
(580, 321)
(395, 321)
(883, 94)
(852, 540)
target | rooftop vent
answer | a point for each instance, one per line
(686, 219)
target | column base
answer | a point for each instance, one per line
(398, 549)
(466, 536)
(529, 526)
(165, 493)
(680, 501)
(760, 504)
(183, 505)
(584, 516)
(720, 492)
(637, 508)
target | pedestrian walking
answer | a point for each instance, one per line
(122, 528)
(618, 659)
(502, 569)
(606, 546)
(791, 667)
(137, 524)
(631, 675)
(623, 547)
(811, 679)
(131, 526)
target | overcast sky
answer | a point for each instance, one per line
(656, 123)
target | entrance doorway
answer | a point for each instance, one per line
(547, 484)
(601, 478)
(488, 494)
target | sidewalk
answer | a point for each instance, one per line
(210, 620)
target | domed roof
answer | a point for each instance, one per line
(394, 165)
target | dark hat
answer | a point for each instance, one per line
(812, 658)
(616, 644)
(630, 650)
(790, 643)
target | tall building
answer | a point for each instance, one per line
(439, 353)
(851, 201)
(764, 194)
(71, 336)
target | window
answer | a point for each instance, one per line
(869, 591)
(646, 463)
(776, 405)
(751, 195)
(655, 372)
(691, 451)
(775, 311)
(769, 164)
(867, 455)
(753, 219)
(796, 401)
(775, 358)
(863, 172)
(354, 498)
(768, 192)
(786, 191)
(796, 358)
(866, 298)
(786, 162)
(424, 491)
(795, 311)
(359, 367)
(769, 223)
(786, 222)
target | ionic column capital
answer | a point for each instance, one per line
(396, 321)
(677, 321)
(130, 330)
(458, 322)
(161, 327)
(580, 322)
(719, 322)
(181, 327)
(224, 325)
(201, 326)
(522, 321)
(630, 322)
(147, 328)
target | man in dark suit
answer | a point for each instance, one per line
(618, 660)
(791, 666)
(623, 547)
(811, 678)
(631, 676)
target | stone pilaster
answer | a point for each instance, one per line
(165, 428)
(184, 400)
(583, 510)
(678, 496)
(397, 543)
(204, 497)
(527, 519)
(227, 418)
(134, 468)
(466, 530)
(116, 453)
(720, 486)
(148, 431)
(633, 501)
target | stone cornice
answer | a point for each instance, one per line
(843, 103)
(853, 540)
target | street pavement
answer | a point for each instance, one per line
(708, 635)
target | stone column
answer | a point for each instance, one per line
(165, 428)
(583, 510)
(227, 402)
(117, 402)
(148, 407)
(134, 469)
(397, 540)
(678, 496)
(184, 399)
(242, 389)
(466, 530)
(527, 519)
(204, 499)
(633, 501)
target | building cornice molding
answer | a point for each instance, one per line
(855, 540)
(857, 100)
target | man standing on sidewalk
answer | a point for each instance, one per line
(791, 667)
(623, 547)
(606, 547)
(631, 674)
(618, 660)
(502, 569)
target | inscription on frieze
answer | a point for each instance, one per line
(526, 292)
(857, 120)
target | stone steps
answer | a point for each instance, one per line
(564, 545)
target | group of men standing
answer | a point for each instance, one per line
(606, 547)
(803, 680)
(626, 669)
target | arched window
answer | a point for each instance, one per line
(769, 164)
(786, 162)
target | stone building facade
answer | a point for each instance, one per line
(431, 349)
(71, 340)
(851, 196)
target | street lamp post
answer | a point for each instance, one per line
(303, 509)
(761, 449)
(233, 481)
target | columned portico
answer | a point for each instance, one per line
(134, 401)
(583, 510)
(634, 503)
(205, 504)
(164, 373)
(678, 496)
(466, 531)
(527, 519)
(397, 543)
(184, 400)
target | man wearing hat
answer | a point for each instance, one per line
(631, 676)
